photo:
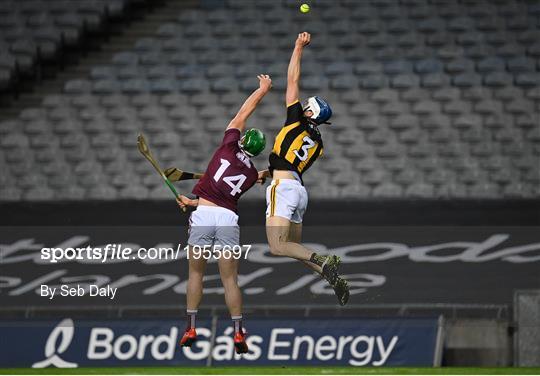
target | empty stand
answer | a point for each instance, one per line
(35, 32)
(430, 99)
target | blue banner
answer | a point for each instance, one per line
(345, 342)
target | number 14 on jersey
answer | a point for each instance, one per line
(233, 181)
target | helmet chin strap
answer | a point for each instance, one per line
(312, 122)
(241, 146)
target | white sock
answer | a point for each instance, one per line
(237, 323)
(191, 313)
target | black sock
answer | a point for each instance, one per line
(191, 313)
(317, 259)
(237, 323)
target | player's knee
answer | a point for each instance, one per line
(277, 248)
(195, 277)
(229, 283)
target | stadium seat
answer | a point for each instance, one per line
(446, 94)
(457, 107)
(465, 80)
(498, 79)
(77, 87)
(420, 190)
(387, 190)
(426, 107)
(528, 79)
(487, 107)
(10, 194)
(485, 190)
(415, 94)
(459, 65)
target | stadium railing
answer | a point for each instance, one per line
(450, 311)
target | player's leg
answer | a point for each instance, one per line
(194, 289)
(228, 236)
(329, 272)
(228, 270)
(201, 233)
(277, 232)
(286, 202)
(340, 286)
(194, 292)
(286, 205)
(295, 235)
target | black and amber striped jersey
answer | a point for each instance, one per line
(297, 145)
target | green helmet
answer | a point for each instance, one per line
(253, 142)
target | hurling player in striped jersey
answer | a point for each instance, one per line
(297, 146)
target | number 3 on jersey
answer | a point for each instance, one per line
(234, 181)
(307, 143)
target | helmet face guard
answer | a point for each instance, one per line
(253, 142)
(321, 111)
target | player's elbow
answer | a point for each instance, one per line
(293, 86)
(238, 122)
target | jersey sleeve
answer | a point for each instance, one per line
(295, 113)
(231, 135)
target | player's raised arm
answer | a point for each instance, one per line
(239, 121)
(293, 72)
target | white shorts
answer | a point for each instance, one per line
(213, 225)
(286, 198)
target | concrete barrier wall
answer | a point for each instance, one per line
(527, 338)
(477, 342)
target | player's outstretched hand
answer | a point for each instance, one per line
(303, 39)
(265, 82)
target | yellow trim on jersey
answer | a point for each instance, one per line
(281, 136)
(273, 198)
(295, 145)
(295, 102)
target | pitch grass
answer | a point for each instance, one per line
(271, 370)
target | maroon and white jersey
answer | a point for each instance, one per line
(229, 174)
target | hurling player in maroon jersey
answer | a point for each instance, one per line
(214, 224)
